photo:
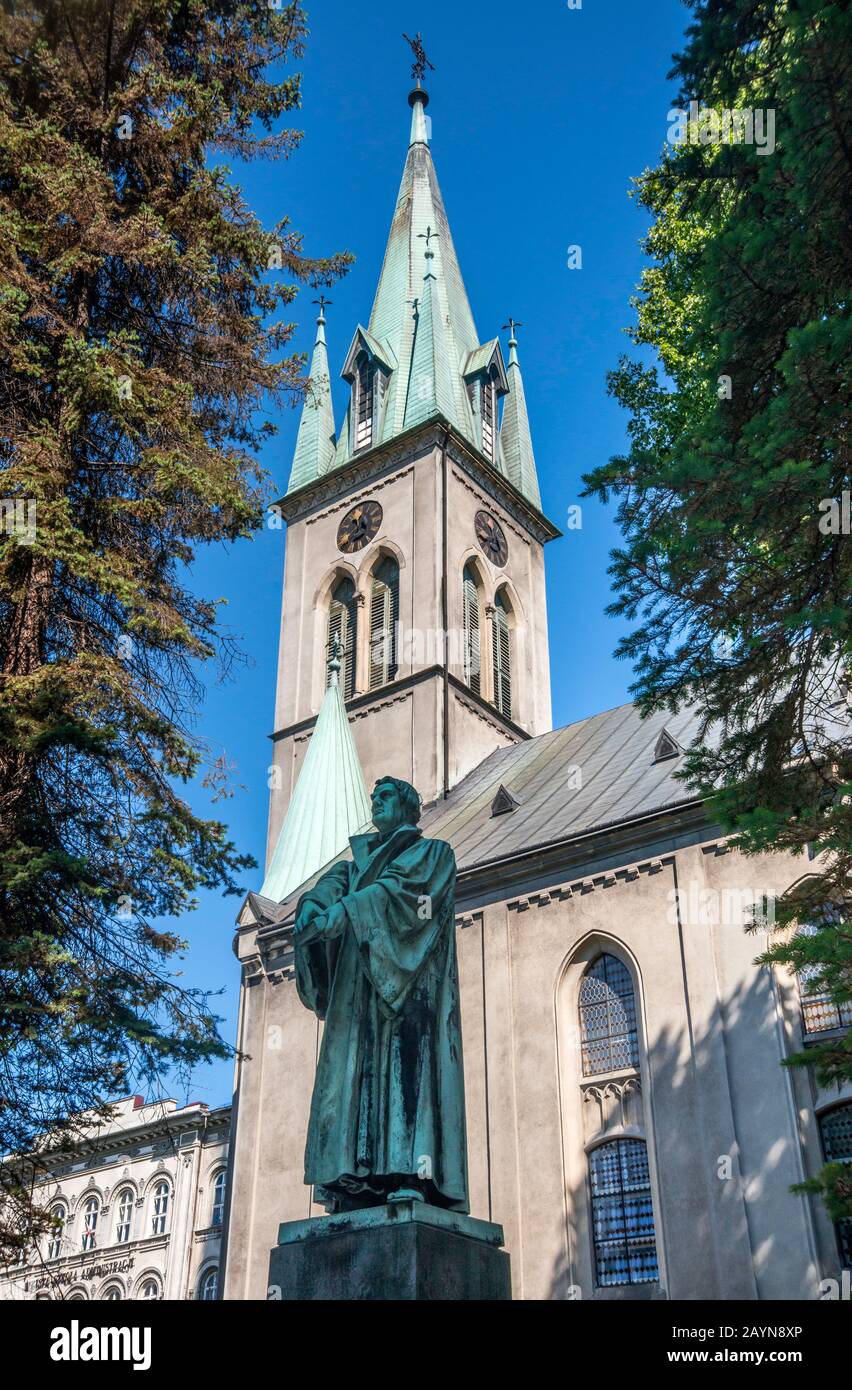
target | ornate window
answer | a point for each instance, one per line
(160, 1213)
(91, 1212)
(835, 1127)
(470, 622)
(608, 1017)
(150, 1289)
(124, 1217)
(384, 617)
(501, 656)
(622, 1214)
(363, 403)
(820, 1014)
(217, 1215)
(343, 623)
(112, 1294)
(54, 1244)
(208, 1289)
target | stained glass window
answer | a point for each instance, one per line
(622, 1214)
(608, 1018)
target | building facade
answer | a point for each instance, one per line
(138, 1206)
(629, 1121)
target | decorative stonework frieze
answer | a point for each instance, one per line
(595, 882)
(352, 499)
(611, 1105)
(486, 500)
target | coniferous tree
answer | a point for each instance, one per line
(140, 332)
(734, 493)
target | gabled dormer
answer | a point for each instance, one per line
(485, 379)
(368, 368)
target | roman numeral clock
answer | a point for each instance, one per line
(359, 527)
(491, 539)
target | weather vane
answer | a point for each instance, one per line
(421, 62)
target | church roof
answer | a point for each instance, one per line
(315, 443)
(515, 438)
(329, 802)
(586, 776)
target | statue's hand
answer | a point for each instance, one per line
(332, 922)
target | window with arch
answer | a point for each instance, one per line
(501, 653)
(58, 1216)
(470, 625)
(622, 1214)
(208, 1289)
(160, 1208)
(363, 403)
(343, 623)
(217, 1215)
(149, 1289)
(384, 617)
(113, 1294)
(91, 1212)
(835, 1127)
(608, 1035)
(124, 1216)
(820, 1013)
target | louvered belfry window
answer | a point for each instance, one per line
(608, 1018)
(488, 417)
(384, 617)
(343, 623)
(501, 657)
(363, 402)
(622, 1214)
(835, 1127)
(470, 618)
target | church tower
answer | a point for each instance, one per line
(414, 533)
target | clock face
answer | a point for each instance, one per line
(359, 527)
(489, 533)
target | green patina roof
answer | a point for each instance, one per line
(429, 346)
(315, 443)
(516, 448)
(329, 802)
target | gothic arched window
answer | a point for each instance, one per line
(363, 402)
(54, 1245)
(343, 623)
(160, 1209)
(608, 1017)
(835, 1127)
(384, 617)
(208, 1289)
(217, 1215)
(622, 1214)
(501, 656)
(124, 1217)
(470, 621)
(91, 1212)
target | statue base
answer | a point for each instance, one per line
(406, 1250)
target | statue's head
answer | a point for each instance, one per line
(394, 803)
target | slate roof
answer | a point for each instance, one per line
(620, 780)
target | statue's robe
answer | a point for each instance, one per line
(388, 1101)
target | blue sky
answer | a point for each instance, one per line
(541, 116)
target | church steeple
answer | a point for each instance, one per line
(430, 390)
(515, 439)
(315, 442)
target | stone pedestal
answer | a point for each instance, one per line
(406, 1250)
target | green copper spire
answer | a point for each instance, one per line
(315, 443)
(329, 803)
(430, 389)
(515, 440)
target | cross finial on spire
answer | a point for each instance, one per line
(512, 325)
(322, 302)
(430, 254)
(421, 62)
